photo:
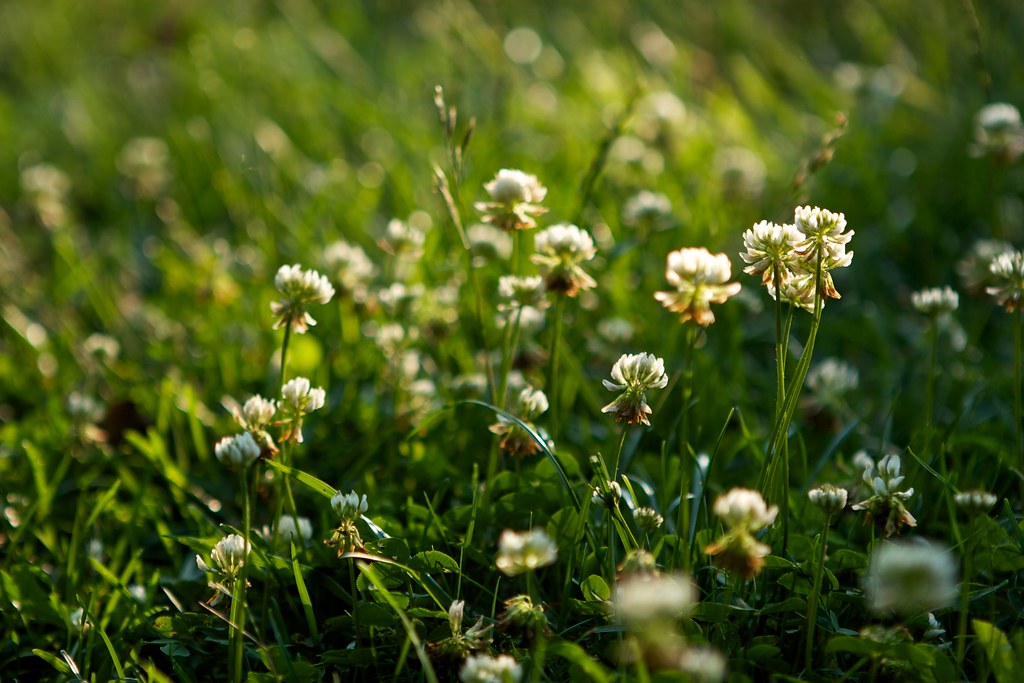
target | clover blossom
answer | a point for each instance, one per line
(524, 618)
(699, 279)
(975, 502)
(1007, 272)
(744, 512)
(648, 519)
(560, 251)
(647, 210)
(226, 561)
(522, 440)
(238, 452)
(520, 552)
(484, 668)
(642, 598)
(516, 293)
(460, 644)
(351, 268)
(515, 200)
(350, 508)
(634, 375)
(770, 247)
(910, 578)
(829, 498)
(299, 288)
(298, 399)
(886, 508)
(998, 131)
(935, 300)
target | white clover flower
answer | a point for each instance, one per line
(101, 347)
(641, 598)
(403, 239)
(829, 498)
(830, 381)
(299, 288)
(348, 506)
(647, 209)
(910, 578)
(998, 131)
(607, 498)
(634, 375)
(886, 506)
(741, 171)
(770, 246)
(84, 408)
(526, 551)
(516, 292)
(351, 267)
(1007, 272)
(699, 279)
(484, 668)
(488, 243)
(975, 268)
(238, 452)
(517, 441)
(975, 502)
(298, 399)
(648, 519)
(560, 251)
(289, 531)
(146, 162)
(532, 403)
(820, 227)
(935, 300)
(398, 299)
(515, 200)
(257, 412)
(227, 558)
(745, 509)
(703, 664)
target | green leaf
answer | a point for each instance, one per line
(579, 658)
(595, 589)
(433, 561)
(304, 478)
(54, 661)
(998, 652)
(854, 645)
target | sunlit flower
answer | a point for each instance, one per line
(226, 561)
(646, 209)
(830, 382)
(351, 268)
(886, 507)
(523, 617)
(525, 551)
(770, 246)
(648, 519)
(459, 643)
(998, 131)
(829, 498)
(634, 375)
(910, 578)
(484, 668)
(289, 530)
(744, 512)
(238, 452)
(699, 279)
(975, 268)
(299, 288)
(1008, 279)
(403, 239)
(820, 227)
(256, 413)
(298, 399)
(935, 300)
(348, 506)
(560, 252)
(515, 200)
(488, 243)
(522, 440)
(641, 598)
(975, 502)
(516, 292)
(606, 495)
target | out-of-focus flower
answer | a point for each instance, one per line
(699, 279)
(46, 188)
(515, 200)
(299, 288)
(935, 300)
(648, 519)
(638, 561)
(484, 668)
(238, 452)
(647, 210)
(101, 348)
(519, 441)
(488, 243)
(975, 268)
(516, 292)
(886, 508)
(998, 132)
(641, 598)
(741, 171)
(254, 417)
(289, 530)
(830, 382)
(146, 163)
(829, 498)
(1008, 279)
(910, 578)
(350, 267)
(520, 552)
(606, 495)
(523, 617)
(703, 664)
(403, 240)
(975, 502)
(744, 512)
(634, 375)
(298, 399)
(560, 252)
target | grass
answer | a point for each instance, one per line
(289, 125)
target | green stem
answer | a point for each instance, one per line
(556, 339)
(929, 395)
(618, 455)
(965, 595)
(815, 597)
(284, 353)
(682, 519)
(1017, 417)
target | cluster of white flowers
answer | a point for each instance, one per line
(519, 441)
(515, 200)
(516, 293)
(238, 452)
(1007, 271)
(351, 267)
(830, 381)
(788, 256)
(699, 279)
(648, 519)
(998, 132)
(644, 597)
(910, 578)
(744, 512)
(560, 252)
(289, 530)
(298, 399)
(646, 209)
(484, 668)
(299, 288)
(829, 498)
(145, 162)
(935, 300)
(975, 502)
(634, 375)
(488, 243)
(227, 558)
(348, 506)
(520, 552)
(745, 509)
(886, 506)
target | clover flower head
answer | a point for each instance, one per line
(648, 519)
(403, 239)
(935, 300)
(703, 664)
(820, 227)
(769, 246)
(289, 530)
(520, 552)
(830, 381)
(560, 251)
(910, 578)
(351, 267)
(256, 413)
(699, 279)
(998, 131)
(488, 243)
(829, 498)
(227, 558)
(975, 502)
(145, 162)
(238, 452)
(975, 268)
(606, 495)
(516, 292)
(297, 396)
(522, 615)
(518, 440)
(744, 512)
(460, 643)
(647, 209)
(886, 506)
(532, 403)
(348, 506)
(642, 598)
(298, 289)
(1007, 272)
(101, 347)
(515, 200)
(745, 509)
(634, 375)
(484, 668)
